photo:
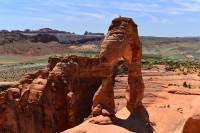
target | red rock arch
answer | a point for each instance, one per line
(121, 41)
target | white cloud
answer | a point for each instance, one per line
(42, 19)
(69, 18)
(96, 15)
(190, 5)
(137, 7)
(154, 19)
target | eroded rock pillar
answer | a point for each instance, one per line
(104, 99)
(135, 88)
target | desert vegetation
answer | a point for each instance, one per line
(185, 84)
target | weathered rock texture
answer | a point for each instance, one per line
(60, 96)
(121, 41)
(192, 124)
(53, 99)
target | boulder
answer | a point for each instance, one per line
(192, 124)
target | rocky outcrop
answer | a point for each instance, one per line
(11, 37)
(45, 38)
(84, 39)
(121, 41)
(46, 31)
(53, 99)
(61, 95)
(8, 37)
(192, 124)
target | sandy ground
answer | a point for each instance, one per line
(157, 81)
(165, 98)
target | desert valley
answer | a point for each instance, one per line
(49, 80)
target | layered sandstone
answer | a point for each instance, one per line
(60, 96)
(53, 99)
(192, 124)
(12, 37)
(121, 41)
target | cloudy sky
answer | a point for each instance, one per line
(154, 17)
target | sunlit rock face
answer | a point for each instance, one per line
(61, 95)
(53, 99)
(121, 41)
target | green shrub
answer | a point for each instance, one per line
(189, 86)
(186, 85)
(185, 73)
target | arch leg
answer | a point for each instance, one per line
(103, 99)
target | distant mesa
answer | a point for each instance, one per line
(49, 31)
(90, 33)
(13, 37)
(40, 31)
(45, 30)
(46, 35)
(4, 31)
(45, 38)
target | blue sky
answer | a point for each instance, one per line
(154, 17)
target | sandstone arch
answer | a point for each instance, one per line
(59, 96)
(121, 41)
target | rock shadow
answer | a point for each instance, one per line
(137, 122)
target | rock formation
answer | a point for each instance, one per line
(83, 39)
(8, 37)
(192, 124)
(60, 96)
(12, 37)
(53, 99)
(121, 41)
(45, 38)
